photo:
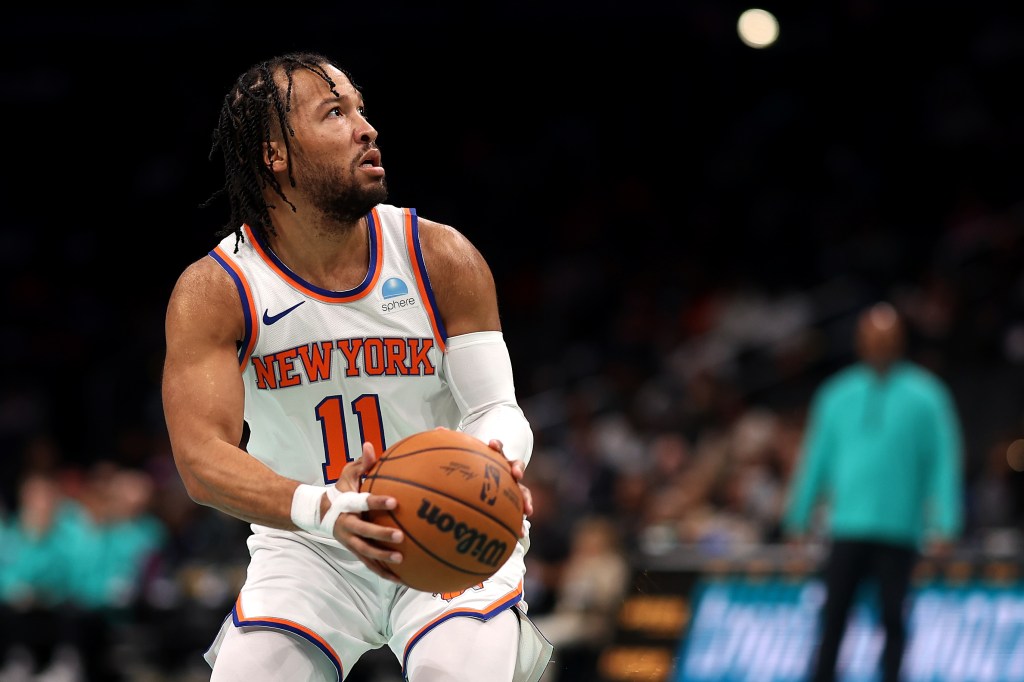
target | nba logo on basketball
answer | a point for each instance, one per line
(492, 479)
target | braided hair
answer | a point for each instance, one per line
(253, 107)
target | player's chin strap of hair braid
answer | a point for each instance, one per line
(306, 508)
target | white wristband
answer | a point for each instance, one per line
(306, 507)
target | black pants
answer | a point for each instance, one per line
(850, 564)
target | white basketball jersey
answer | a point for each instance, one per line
(324, 370)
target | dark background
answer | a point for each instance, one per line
(603, 156)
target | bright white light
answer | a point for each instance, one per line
(757, 28)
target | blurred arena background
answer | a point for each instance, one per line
(682, 228)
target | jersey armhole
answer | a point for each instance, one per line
(248, 340)
(412, 241)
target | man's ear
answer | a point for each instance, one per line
(274, 156)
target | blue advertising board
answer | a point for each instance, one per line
(746, 630)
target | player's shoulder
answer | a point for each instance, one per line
(435, 234)
(203, 281)
(205, 302)
(460, 277)
(447, 252)
(432, 233)
(202, 272)
(444, 245)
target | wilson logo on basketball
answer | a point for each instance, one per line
(468, 541)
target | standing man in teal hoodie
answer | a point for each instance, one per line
(882, 454)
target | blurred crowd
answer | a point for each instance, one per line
(677, 430)
(109, 571)
(668, 413)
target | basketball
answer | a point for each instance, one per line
(458, 506)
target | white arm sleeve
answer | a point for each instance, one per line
(479, 374)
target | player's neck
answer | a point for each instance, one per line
(331, 256)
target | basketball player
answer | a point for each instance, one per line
(325, 326)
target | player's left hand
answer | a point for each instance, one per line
(360, 536)
(518, 469)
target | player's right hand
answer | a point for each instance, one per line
(360, 536)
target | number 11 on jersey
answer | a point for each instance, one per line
(331, 415)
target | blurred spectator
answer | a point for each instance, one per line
(883, 450)
(590, 592)
(72, 570)
(649, 494)
(549, 538)
(591, 487)
(759, 472)
(996, 508)
(715, 521)
(37, 631)
(705, 504)
(189, 585)
(119, 537)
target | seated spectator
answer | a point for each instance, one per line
(71, 565)
(591, 589)
(36, 566)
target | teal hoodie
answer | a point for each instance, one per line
(885, 455)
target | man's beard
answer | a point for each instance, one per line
(339, 199)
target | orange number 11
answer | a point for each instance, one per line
(331, 416)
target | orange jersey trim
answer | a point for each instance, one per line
(497, 606)
(242, 620)
(325, 295)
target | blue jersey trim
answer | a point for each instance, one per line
(421, 266)
(246, 305)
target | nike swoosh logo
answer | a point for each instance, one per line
(271, 319)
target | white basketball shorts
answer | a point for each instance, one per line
(325, 595)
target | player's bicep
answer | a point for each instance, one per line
(202, 390)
